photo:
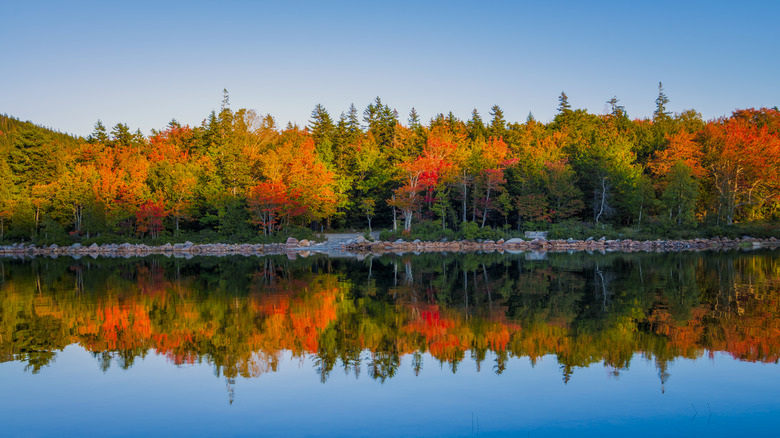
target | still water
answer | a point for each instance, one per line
(428, 345)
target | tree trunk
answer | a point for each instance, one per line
(603, 198)
(485, 211)
(395, 215)
(465, 193)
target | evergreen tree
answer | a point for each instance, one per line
(121, 135)
(99, 134)
(660, 105)
(353, 123)
(321, 125)
(414, 120)
(497, 124)
(475, 126)
(30, 160)
(615, 109)
(563, 103)
(380, 121)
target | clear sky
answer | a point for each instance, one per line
(66, 64)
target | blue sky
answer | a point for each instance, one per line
(68, 64)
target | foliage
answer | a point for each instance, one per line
(240, 177)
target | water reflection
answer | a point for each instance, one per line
(241, 315)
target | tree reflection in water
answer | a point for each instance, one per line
(240, 314)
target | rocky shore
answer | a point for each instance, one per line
(360, 245)
(129, 250)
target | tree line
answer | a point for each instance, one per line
(240, 176)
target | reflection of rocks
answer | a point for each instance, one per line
(361, 245)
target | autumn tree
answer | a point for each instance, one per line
(744, 161)
(149, 218)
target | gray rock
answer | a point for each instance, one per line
(514, 241)
(533, 235)
(292, 241)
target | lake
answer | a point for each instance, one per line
(529, 344)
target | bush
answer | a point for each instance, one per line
(469, 230)
(386, 235)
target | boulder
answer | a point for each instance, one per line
(534, 235)
(292, 241)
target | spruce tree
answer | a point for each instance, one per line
(660, 104)
(563, 103)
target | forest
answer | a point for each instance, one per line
(238, 177)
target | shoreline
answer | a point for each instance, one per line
(569, 245)
(360, 246)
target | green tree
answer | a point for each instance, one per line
(497, 123)
(322, 131)
(563, 103)
(680, 194)
(99, 134)
(661, 101)
(367, 206)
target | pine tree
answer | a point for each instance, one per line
(321, 125)
(99, 134)
(121, 135)
(353, 123)
(615, 109)
(563, 103)
(475, 126)
(414, 119)
(497, 124)
(660, 105)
